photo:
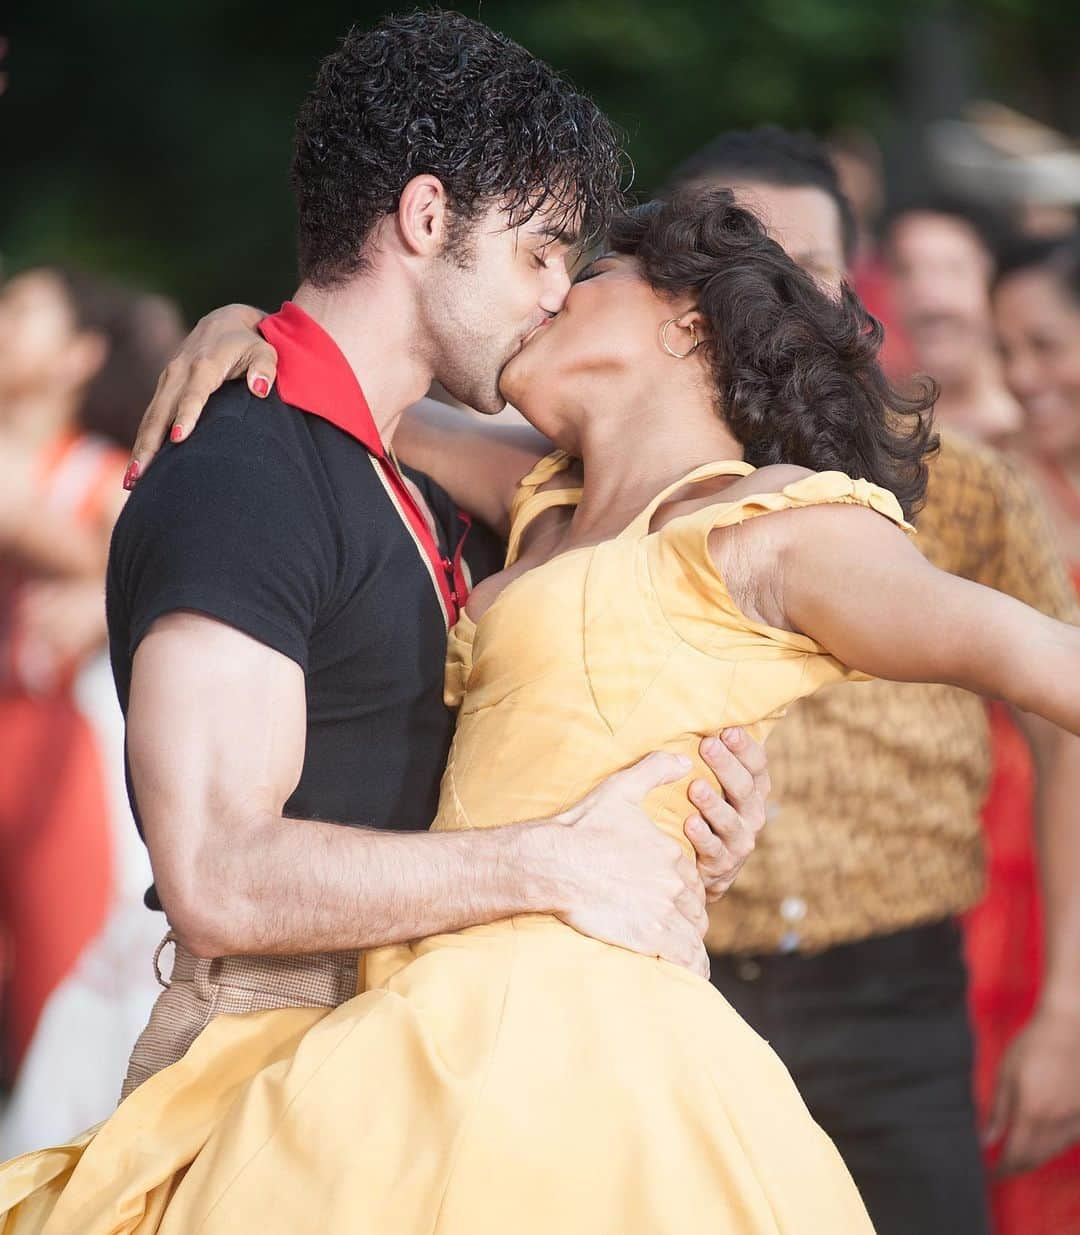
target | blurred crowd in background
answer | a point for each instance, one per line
(962, 239)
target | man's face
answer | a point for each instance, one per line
(941, 279)
(804, 221)
(486, 296)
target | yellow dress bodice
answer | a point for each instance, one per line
(588, 662)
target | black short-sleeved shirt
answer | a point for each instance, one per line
(286, 519)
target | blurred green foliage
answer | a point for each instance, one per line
(152, 140)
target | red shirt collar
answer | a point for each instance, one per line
(314, 375)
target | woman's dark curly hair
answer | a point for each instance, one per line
(439, 93)
(796, 372)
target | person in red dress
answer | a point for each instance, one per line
(59, 495)
(1037, 315)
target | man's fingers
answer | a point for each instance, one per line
(640, 779)
(693, 884)
(707, 845)
(723, 820)
(735, 779)
(751, 754)
(684, 947)
(692, 907)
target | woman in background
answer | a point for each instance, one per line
(1037, 315)
(77, 362)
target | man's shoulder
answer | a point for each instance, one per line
(247, 460)
(234, 420)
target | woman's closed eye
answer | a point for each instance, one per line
(588, 272)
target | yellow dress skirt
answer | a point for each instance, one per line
(516, 1078)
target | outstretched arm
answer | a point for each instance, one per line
(853, 582)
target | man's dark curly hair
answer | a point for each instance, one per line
(770, 155)
(796, 372)
(436, 92)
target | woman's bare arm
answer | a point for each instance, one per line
(478, 461)
(854, 583)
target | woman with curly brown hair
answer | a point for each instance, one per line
(520, 1075)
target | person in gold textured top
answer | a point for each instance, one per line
(838, 941)
(666, 574)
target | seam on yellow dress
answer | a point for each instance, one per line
(660, 977)
(481, 1088)
(459, 807)
(289, 1105)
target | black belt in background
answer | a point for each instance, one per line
(938, 944)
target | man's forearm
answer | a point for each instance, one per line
(1057, 756)
(288, 886)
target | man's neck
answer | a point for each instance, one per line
(374, 326)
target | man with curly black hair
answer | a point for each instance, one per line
(280, 590)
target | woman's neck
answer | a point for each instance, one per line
(631, 458)
(33, 420)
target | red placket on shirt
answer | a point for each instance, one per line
(314, 376)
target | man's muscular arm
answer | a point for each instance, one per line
(216, 735)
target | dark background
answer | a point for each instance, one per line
(151, 139)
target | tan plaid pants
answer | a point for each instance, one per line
(198, 990)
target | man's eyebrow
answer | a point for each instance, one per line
(560, 234)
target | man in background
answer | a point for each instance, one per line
(940, 256)
(839, 943)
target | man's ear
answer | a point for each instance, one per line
(422, 215)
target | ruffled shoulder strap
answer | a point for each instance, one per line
(817, 489)
(683, 545)
(528, 503)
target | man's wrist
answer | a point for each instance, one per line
(544, 875)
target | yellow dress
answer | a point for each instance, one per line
(515, 1078)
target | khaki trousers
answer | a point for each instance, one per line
(199, 989)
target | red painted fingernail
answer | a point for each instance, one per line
(131, 475)
(177, 433)
(261, 387)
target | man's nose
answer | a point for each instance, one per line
(556, 290)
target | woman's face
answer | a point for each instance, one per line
(37, 333)
(1039, 330)
(607, 331)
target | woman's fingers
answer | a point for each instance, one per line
(260, 366)
(223, 346)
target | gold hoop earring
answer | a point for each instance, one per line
(667, 346)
